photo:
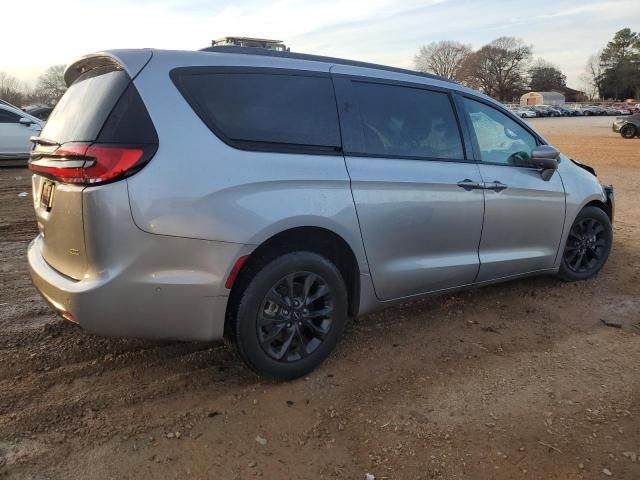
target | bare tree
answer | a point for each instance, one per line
(51, 86)
(499, 68)
(442, 58)
(592, 76)
(11, 89)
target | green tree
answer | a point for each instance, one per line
(620, 61)
(544, 76)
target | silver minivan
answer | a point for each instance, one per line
(269, 197)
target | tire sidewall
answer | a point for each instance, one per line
(251, 302)
(597, 214)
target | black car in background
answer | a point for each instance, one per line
(41, 112)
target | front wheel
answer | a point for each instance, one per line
(291, 315)
(628, 131)
(588, 245)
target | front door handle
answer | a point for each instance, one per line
(495, 186)
(470, 185)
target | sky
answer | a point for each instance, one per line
(38, 33)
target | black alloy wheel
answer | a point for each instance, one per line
(628, 131)
(588, 245)
(295, 316)
(290, 314)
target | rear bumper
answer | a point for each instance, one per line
(156, 296)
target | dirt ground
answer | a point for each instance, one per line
(519, 380)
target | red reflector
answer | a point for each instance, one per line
(233, 274)
(68, 316)
(84, 164)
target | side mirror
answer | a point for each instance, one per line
(545, 157)
(26, 121)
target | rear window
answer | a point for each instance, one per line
(83, 109)
(265, 110)
(402, 121)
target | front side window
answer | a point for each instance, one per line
(8, 117)
(265, 108)
(402, 121)
(500, 139)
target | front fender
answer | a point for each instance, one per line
(581, 188)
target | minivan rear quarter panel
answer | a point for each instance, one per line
(200, 187)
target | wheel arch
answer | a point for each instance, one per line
(316, 239)
(594, 198)
(605, 206)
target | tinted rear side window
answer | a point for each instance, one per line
(402, 121)
(265, 110)
(82, 111)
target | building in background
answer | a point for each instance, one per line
(542, 98)
(573, 96)
(277, 45)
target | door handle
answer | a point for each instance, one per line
(470, 185)
(495, 186)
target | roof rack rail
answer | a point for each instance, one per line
(318, 58)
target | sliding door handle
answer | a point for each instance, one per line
(470, 185)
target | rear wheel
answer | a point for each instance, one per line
(628, 131)
(291, 315)
(588, 245)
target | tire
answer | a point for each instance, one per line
(628, 131)
(271, 327)
(588, 245)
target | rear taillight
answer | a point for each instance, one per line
(90, 164)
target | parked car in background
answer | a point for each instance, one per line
(41, 112)
(626, 108)
(270, 196)
(585, 110)
(546, 111)
(627, 127)
(540, 111)
(616, 111)
(526, 113)
(565, 112)
(598, 110)
(523, 112)
(554, 111)
(16, 128)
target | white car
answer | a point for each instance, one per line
(525, 113)
(16, 127)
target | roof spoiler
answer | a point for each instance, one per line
(132, 61)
